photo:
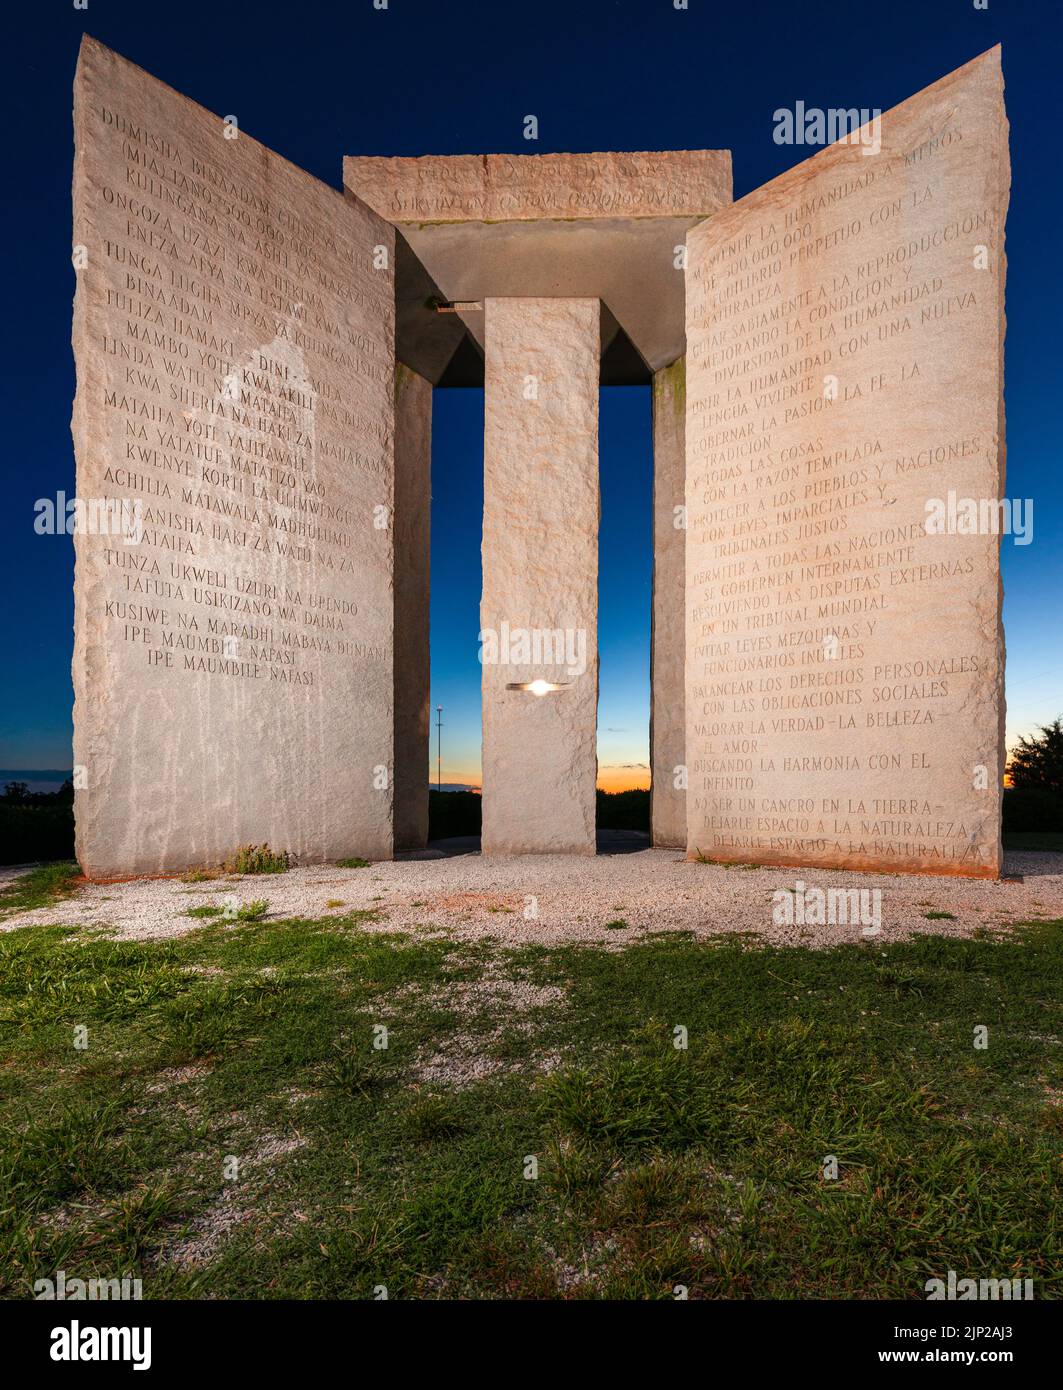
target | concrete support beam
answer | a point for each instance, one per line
(668, 648)
(539, 611)
(413, 473)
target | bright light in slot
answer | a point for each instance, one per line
(540, 687)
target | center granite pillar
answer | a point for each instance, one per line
(539, 611)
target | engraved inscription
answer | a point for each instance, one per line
(234, 349)
(502, 188)
(845, 668)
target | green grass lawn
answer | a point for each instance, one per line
(231, 1131)
(43, 886)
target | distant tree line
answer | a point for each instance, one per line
(36, 825)
(40, 825)
(458, 813)
(1034, 799)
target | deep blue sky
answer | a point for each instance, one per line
(315, 81)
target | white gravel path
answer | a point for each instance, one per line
(651, 890)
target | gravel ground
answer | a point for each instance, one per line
(556, 898)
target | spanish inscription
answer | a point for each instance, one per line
(844, 368)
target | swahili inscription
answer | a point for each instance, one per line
(233, 332)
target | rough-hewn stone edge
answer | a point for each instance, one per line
(86, 658)
(358, 171)
(784, 185)
(413, 454)
(778, 190)
(1002, 198)
(667, 802)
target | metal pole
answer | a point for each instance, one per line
(439, 748)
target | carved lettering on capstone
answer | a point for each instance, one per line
(844, 365)
(234, 345)
(503, 188)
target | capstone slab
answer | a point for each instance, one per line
(514, 188)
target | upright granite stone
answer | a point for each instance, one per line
(844, 384)
(413, 516)
(233, 333)
(668, 826)
(539, 611)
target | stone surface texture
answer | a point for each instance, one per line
(668, 645)
(844, 667)
(540, 574)
(413, 514)
(514, 188)
(598, 226)
(234, 348)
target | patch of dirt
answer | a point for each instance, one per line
(462, 902)
(466, 1057)
(208, 1232)
(477, 898)
(178, 1076)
